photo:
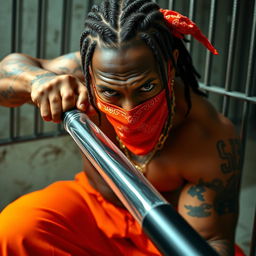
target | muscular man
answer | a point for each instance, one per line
(136, 82)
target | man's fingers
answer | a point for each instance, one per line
(45, 110)
(82, 100)
(55, 107)
(68, 98)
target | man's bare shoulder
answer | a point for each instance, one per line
(204, 142)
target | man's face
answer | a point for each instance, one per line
(127, 76)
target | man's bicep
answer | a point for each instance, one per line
(66, 64)
(209, 208)
(209, 202)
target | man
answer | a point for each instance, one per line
(141, 85)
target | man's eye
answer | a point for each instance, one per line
(109, 93)
(147, 87)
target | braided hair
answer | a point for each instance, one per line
(118, 21)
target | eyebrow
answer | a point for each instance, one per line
(107, 88)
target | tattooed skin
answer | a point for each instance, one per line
(199, 211)
(226, 199)
(7, 94)
(17, 69)
(197, 191)
(43, 78)
(233, 158)
(77, 66)
(226, 195)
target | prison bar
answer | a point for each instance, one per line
(171, 4)
(15, 47)
(210, 37)
(66, 33)
(191, 16)
(253, 243)
(165, 227)
(249, 79)
(40, 53)
(232, 94)
(66, 26)
(225, 103)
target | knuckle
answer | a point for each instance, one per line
(70, 78)
(55, 99)
(68, 96)
(48, 87)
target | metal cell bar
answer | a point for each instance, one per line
(90, 4)
(233, 94)
(253, 243)
(15, 47)
(41, 28)
(66, 32)
(40, 53)
(249, 78)
(171, 4)
(210, 37)
(225, 103)
(66, 26)
(191, 16)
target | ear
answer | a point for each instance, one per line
(175, 55)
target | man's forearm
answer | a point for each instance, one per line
(17, 73)
(223, 247)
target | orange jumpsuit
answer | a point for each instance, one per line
(70, 218)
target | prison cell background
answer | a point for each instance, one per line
(47, 29)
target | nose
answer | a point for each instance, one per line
(128, 104)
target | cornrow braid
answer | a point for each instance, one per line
(118, 21)
(132, 7)
(87, 62)
(104, 9)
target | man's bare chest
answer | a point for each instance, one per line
(157, 172)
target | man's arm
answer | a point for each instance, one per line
(210, 202)
(53, 85)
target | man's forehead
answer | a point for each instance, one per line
(133, 57)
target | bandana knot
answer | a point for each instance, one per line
(180, 25)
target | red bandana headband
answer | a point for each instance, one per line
(181, 25)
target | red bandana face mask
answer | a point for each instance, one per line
(138, 129)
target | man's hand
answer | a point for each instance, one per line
(54, 94)
(53, 85)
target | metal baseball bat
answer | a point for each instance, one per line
(171, 234)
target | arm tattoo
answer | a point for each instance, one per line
(43, 78)
(7, 94)
(199, 211)
(14, 70)
(232, 157)
(223, 247)
(197, 191)
(226, 199)
(71, 57)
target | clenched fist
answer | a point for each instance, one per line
(54, 94)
